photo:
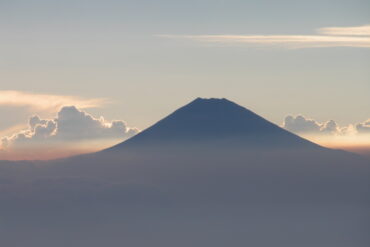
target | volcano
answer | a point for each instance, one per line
(215, 122)
(212, 173)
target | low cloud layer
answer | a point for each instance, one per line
(71, 127)
(328, 37)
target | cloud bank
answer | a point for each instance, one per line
(349, 37)
(66, 132)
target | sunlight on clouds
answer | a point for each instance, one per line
(12, 129)
(352, 31)
(336, 141)
(290, 41)
(53, 150)
(72, 131)
(46, 102)
(353, 138)
(356, 143)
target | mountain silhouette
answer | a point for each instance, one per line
(209, 122)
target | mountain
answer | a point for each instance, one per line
(215, 121)
(210, 174)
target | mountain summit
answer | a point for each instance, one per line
(215, 121)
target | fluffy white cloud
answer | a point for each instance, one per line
(71, 126)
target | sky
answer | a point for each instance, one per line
(116, 67)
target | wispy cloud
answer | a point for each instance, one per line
(290, 41)
(46, 102)
(352, 31)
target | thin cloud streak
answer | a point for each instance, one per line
(289, 41)
(352, 31)
(46, 102)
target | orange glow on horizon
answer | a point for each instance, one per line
(356, 143)
(56, 150)
(39, 154)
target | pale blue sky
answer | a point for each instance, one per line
(110, 49)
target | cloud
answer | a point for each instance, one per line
(353, 137)
(352, 31)
(66, 132)
(301, 124)
(290, 41)
(73, 124)
(330, 127)
(46, 101)
(363, 127)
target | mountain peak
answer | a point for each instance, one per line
(210, 107)
(213, 100)
(209, 121)
(210, 101)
